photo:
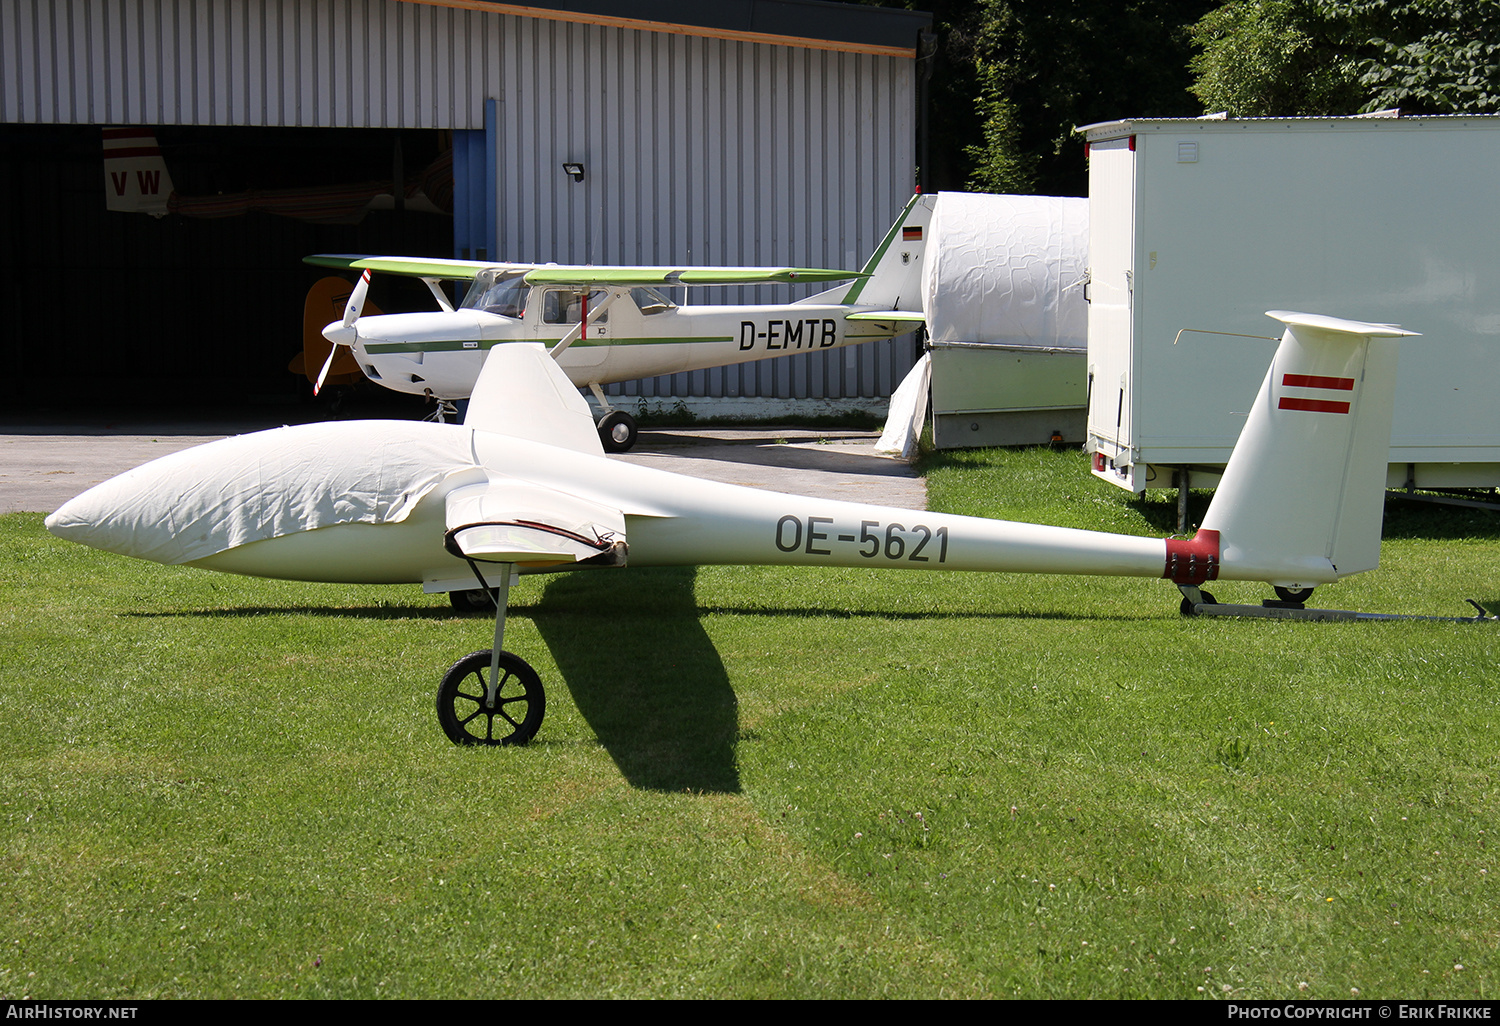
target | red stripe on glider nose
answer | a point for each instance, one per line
(1317, 381)
(1289, 402)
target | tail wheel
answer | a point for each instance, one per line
(1297, 595)
(1187, 607)
(469, 719)
(617, 431)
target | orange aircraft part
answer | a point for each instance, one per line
(325, 302)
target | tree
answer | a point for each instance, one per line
(1308, 57)
(1274, 58)
(1433, 58)
(999, 162)
(1044, 67)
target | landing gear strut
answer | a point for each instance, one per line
(492, 697)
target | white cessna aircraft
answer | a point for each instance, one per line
(524, 486)
(607, 324)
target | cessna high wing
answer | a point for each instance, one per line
(523, 486)
(607, 324)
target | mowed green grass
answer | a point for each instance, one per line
(756, 782)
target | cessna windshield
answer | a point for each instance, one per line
(498, 292)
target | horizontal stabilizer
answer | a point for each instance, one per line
(900, 316)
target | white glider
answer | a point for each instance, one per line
(524, 486)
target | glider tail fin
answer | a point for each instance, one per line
(1302, 499)
(136, 179)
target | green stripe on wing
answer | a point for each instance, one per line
(561, 275)
(574, 274)
(417, 267)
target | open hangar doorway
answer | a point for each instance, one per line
(114, 313)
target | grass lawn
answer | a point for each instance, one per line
(757, 782)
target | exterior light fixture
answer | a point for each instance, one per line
(573, 169)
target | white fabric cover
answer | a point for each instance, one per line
(214, 497)
(1007, 269)
(903, 424)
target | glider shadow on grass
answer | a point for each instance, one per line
(645, 675)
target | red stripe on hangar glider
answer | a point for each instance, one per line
(1318, 381)
(1289, 402)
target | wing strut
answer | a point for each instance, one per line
(590, 316)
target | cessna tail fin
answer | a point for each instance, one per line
(895, 268)
(1302, 499)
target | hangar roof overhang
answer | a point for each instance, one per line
(818, 24)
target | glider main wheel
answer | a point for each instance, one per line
(1297, 595)
(471, 601)
(520, 702)
(617, 431)
(1186, 609)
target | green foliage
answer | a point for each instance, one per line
(1047, 67)
(1013, 78)
(1309, 57)
(1000, 165)
(1433, 58)
(1273, 58)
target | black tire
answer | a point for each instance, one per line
(1297, 595)
(520, 702)
(617, 431)
(470, 602)
(1186, 608)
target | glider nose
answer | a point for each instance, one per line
(100, 518)
(338, 334)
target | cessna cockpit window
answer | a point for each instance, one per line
(651, 301)
(498, 293)
(565, 306)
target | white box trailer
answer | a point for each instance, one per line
(1205, 224)
(1003, 294)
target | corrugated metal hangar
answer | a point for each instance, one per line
(738, 132)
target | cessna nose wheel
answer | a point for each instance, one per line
(617, 431)
(472, 713)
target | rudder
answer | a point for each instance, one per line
(1302, 499)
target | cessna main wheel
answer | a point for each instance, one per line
(617, 431)
(519, 705)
